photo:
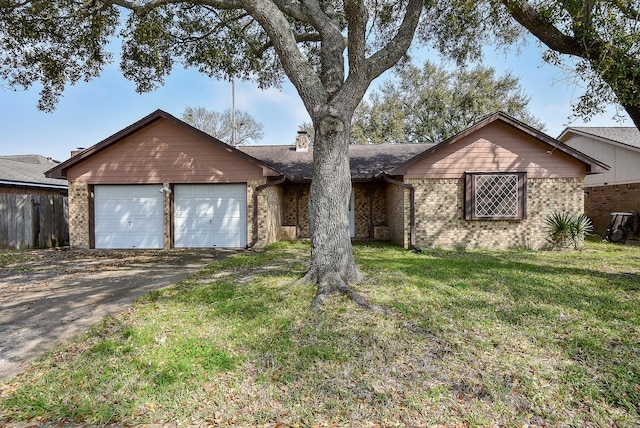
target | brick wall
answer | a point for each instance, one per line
(289, 196)
(251, 186)
(361, 204)
(398, 214)
(601, 201)
(440, 223)
(79, 215)
(269, 215)
(362, 201)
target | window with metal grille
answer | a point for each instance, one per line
(491, 196)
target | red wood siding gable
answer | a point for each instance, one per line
(499, 144)
(158, 149)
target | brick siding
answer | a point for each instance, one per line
(269, 214)
(398, 214)
(290, 195)
(601, 201)
(366, 195)
(362, 200)
(79, 215)
(440, 222)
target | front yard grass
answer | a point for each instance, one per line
(480, 338)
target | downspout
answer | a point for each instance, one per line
(412, 209)
(298, 195)
(254, 238)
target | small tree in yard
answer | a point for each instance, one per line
(330, 50)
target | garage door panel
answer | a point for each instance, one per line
(218, 207)
(207, 240)
(144, 241)
(128, 216)
(210, 215)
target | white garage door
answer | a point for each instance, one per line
(128, 216)
(210, 215)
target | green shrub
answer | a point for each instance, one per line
(566, 230)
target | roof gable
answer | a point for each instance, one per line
(61, 170)
(591, 165)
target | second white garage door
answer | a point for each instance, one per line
(210, 215)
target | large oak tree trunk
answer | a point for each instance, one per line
(333, 266)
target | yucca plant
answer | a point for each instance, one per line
(567, 229)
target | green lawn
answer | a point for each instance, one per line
(480, 338)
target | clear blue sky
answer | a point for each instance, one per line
(90, 112)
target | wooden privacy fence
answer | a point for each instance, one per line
(33, 221)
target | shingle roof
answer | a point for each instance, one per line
(367, 161)
(28, 170)
(629, 136)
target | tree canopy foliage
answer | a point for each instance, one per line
(605, 38)
(596, 42)
(221, 124)
(430, 104)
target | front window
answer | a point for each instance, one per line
(494, 196)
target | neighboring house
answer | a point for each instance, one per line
(24, 174)
(617, 190)
(161, 183)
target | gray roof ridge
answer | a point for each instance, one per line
(33, 158)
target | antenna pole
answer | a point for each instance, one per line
(234, 138)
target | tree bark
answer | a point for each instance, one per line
(333, 265)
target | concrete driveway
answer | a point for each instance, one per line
(56, 295)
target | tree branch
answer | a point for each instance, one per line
(333, 44)
(397, 47)
(544, 30)
(154, 4)
(357, 17)
(292, 9)
(295, 65)
(300, 38)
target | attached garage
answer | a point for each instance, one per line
(128, 216)
(115, 197)
(210, 215)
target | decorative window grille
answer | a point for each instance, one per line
(496, 196)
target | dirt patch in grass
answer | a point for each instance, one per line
(47, 296)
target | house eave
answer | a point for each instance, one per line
(32, 184)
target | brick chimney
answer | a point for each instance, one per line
(75, 152)
(302, 141)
